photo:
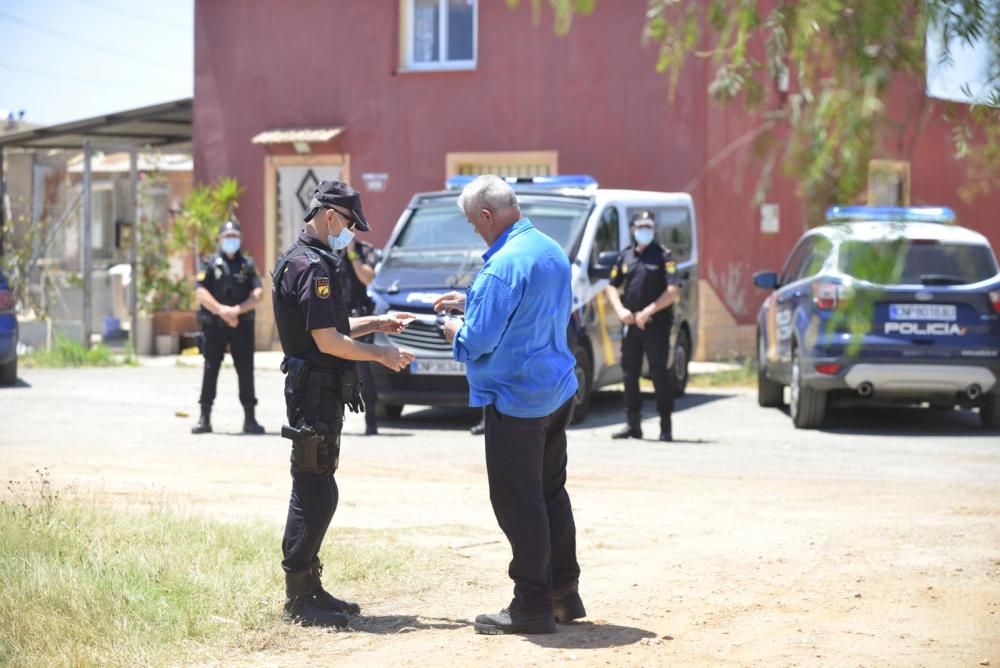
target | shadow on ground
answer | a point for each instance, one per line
(608, 408)
(591, 635)
(875, 420)
(398, 624)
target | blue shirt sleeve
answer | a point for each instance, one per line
(489, 308)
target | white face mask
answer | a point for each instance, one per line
(230, 245)
(340, 241)
(644, 236)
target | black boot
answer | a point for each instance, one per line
(302, 607)
(666, 429)
(371, 422)
(325, 598)
(250, 425)
(480, 428)
(204, 425)
(632, 428)
(567, 604)
(509, 620)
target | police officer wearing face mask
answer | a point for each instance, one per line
(648, 275)
(228, 289)
(318, 339)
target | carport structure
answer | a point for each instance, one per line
(165, 126)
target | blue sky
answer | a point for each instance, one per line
(63, 60)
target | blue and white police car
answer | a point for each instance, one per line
(433, 250)
(882, 303)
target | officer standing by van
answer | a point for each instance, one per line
(228, 289)
(317, 337)
(648, 275)
(358, 271)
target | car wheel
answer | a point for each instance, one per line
(989, 411)
(807, 406)
(682, 355)
(769, 393)
(8, 373)
(584, 380)
(388, 411)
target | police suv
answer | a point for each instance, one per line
(433, 250)
(882, 303)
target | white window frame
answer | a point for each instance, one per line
(440, 64)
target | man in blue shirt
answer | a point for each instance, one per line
(520, 368)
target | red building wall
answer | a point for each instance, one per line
(593, 96)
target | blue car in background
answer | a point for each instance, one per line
(8, 335)
(882, 303)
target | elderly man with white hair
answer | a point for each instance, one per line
(520, 368)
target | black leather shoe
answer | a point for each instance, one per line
(501, 623)
(666, 436)
(628, 432)
(567, 604)
(204, 425)
(479, 429)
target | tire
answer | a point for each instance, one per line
(807, 406)
(682, 355)
(770, 394)
(585, 379)
(989, 411)
(8, 373)
(388, 411)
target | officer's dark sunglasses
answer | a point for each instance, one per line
(349, 217)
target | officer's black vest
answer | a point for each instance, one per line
(296, 341)
(226, 289)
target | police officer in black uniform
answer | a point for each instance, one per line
(358, 262)
(649, 276)
(321, 378)
(228, 290)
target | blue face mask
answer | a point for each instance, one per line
(230, 245)
(644, 236)
(340, 241)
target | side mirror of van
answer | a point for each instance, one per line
(605, 263)
(766, 279)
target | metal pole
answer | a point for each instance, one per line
(133, 177)
(87, 214)
(3, 204)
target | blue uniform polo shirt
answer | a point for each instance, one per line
(513, 341)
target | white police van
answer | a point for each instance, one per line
(433, 250)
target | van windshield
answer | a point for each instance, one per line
(443, 229)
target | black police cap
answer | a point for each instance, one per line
(229, 226)
(336, 193)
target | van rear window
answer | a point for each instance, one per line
(916, 262)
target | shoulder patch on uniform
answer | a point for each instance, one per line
(625, 267)
(321, 286)
(200, 276)
(670, 266)
(614, 272)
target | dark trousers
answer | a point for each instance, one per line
(526, 467)
(241, 345)
(314, 495)
(654, 342)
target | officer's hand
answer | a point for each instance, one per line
(230, 315)
(395, 323)
(394, 358)
(626, 316)
(450, 328)
(452, 301)
(641, 318)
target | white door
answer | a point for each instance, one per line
(296, 185)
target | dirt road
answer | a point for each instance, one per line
(746, 543)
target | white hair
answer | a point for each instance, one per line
(487, 192)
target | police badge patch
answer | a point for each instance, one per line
(321, 286)
(671, 267)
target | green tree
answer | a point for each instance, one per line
(842, 60)
(204, 211)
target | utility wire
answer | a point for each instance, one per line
(142, 17)
(87, 80)
(93, 45)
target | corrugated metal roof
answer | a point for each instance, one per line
(289, 135)
(161, 125)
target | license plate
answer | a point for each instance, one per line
(939, 312)
(438, 367)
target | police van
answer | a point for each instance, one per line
(433, 249)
